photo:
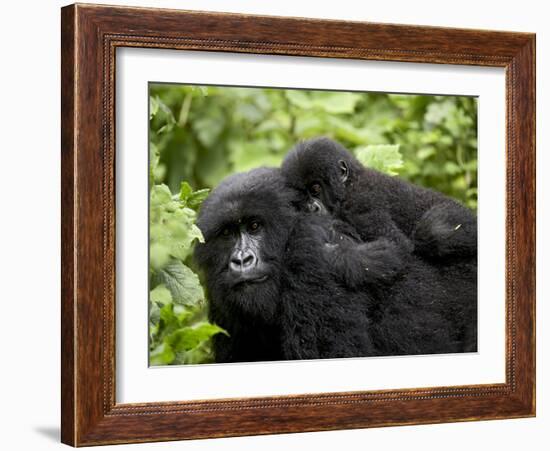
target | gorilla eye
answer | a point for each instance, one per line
(315, 189)
(226, 231)
(253, 226)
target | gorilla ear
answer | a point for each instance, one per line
(344, 171)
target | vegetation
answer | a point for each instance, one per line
(199, 135)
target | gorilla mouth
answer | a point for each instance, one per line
(251, 279)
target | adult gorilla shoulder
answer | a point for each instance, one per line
(328, 177)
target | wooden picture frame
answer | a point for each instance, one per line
(90, 36)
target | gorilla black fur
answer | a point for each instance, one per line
(314, 289)
(329, 177)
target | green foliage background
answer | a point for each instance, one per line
(200, 134)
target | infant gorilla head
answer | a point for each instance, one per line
(319, 170)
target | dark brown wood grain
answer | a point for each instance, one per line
(67, 227)
(90, 35)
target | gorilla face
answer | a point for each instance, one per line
(245, 222)
(319, 170)
(246, 264)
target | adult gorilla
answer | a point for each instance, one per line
(291, 285)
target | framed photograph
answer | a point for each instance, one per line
(279, 225)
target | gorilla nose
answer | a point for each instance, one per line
(242, 261)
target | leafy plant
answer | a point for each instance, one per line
(179, 331)
(382, 157)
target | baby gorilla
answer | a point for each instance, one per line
(291, 285)
(377, 205)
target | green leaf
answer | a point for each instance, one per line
(383, 157)
(185, 191)
(159, 255)
(201, 354)
(195, 200)
(336, 102)
(154, 317)
(209, 128)
(161, 116)
(426, 153)
(345, 131)
(153, 106)
(160, 295)
(185, 315)
(330, 102)
(299, 98)
(439, 111)
(249, 155)
(183, 283)
(168, 319)
(309, 125)
(160, 195)
(188, 338)
(192, 199)
(161, 355)
(451, 168)
(172, 227)
(201, 90)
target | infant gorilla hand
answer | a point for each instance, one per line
(356, 264)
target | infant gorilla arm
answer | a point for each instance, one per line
(352, 261)
(328, 178)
